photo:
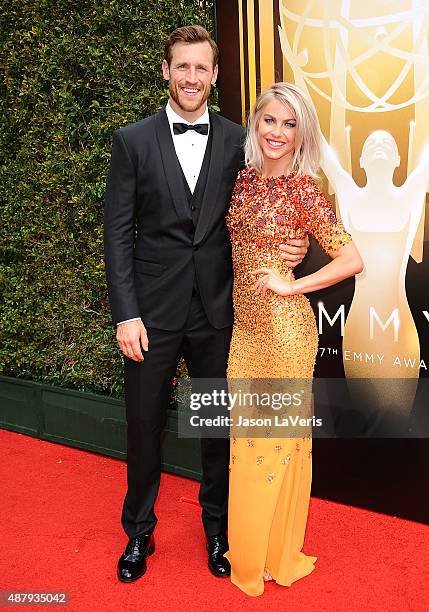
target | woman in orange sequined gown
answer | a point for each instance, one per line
(275, 334)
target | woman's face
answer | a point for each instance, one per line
(276, 132)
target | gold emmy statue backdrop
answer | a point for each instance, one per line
(365, 65)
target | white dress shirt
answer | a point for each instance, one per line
(190, 149)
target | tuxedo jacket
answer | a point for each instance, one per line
(154, 252)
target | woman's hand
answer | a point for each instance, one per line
(274, 281)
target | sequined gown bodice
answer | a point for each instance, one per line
(263, 214)
(274, 337)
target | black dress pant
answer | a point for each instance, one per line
(148, 386)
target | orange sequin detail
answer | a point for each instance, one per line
(274, 336)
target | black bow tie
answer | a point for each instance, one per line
(181, 128)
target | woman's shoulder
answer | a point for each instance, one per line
(307, 185)
(307, 181)
(246, 173)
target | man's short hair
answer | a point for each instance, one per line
(190, 34)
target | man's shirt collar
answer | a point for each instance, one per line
(173, 117)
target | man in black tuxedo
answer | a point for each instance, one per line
(169, 275)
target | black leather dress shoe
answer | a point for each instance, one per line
(132, 564)
(218, 565)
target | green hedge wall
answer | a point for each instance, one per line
(71, 73)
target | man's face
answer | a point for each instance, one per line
(191, 74)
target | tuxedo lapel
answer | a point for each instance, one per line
(173, 171)
(213, 179)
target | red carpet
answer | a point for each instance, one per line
(60, 530)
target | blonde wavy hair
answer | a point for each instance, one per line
(306, 158)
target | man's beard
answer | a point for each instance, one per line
(191, 107)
